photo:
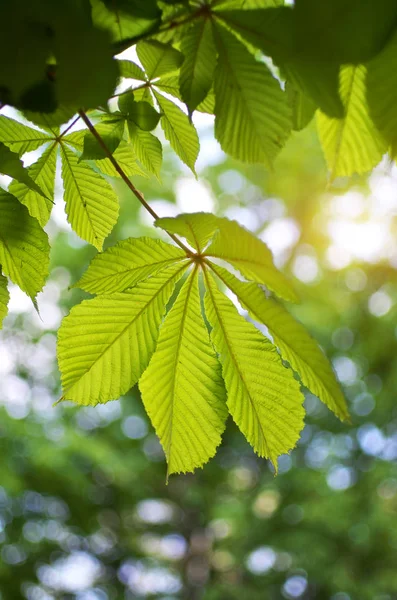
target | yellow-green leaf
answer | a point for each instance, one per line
(105, 344)
(21, 138)
(250, 256)
(127, 263)
(158, 58)
(24, 247)
(197, 228)
(148, 149)
(351, 144)
(263, 396)
(91, 203)
(295, 343)
(43, 173)
(253, 119)
(178, 130)
(126, 159)
(197, 70)
(182, 389)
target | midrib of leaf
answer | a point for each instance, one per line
(241, 90)
(144, 308)
(175, 373)
(235, 361)
(343, 124)
(83, 202)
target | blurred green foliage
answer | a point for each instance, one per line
(85, 511)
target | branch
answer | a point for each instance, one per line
(126, 179)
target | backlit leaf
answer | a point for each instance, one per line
(21, 138)
(147, 148)
(182, 389)
(105, 344)
(24, 247)
(158, 58)
(91, 203)
(111, 132)
(4, 298)
(295, 343)
(41, 172)
(178, 130)
(11, 165)
(127, 263)
(263, 397)
(352, 144)
(140, 113)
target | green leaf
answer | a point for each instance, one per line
(147, 148)
(21, 138)
(178, 130)
(125, 29)
(4, 298)
(127, 263)
(11, 165)
(91, 203)
(262, 395)
(130, 70)
(302, 106)
(158, 58)
(141, 113)
(105, 344)
(197, 70)
(273, 31)
(182, 389)
(169, 85)
(381, 85)
(250, 256)
(352, 144)
(246, 126)
(295, 343)
(41, 172)
(345, 32)
(111, 131)
(24, 247)
(126, 159)
(208, 104)
(197, 228)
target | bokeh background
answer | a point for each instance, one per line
(85, 511)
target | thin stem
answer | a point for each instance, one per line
(68, 128)
(126, 179)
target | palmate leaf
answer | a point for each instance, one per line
(105, 344)
(127, 263)
(41, 172)
(178, 130)
(24, 247)
(4, 298)
(247, 127)
(158, 58)
(262, 395)
(295, 343)
(91, 203)
(21, 138)
(302, 106)
(351, 144)
(182, 389)
(197, 70)
(232, 243)
(131, 70)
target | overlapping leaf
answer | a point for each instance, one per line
(91, 203)
(127, 263)
(105, 344)
(262, 395)
(24, 247)
(351, 144)
(247, 127)
(182, 389)
(21, 138)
